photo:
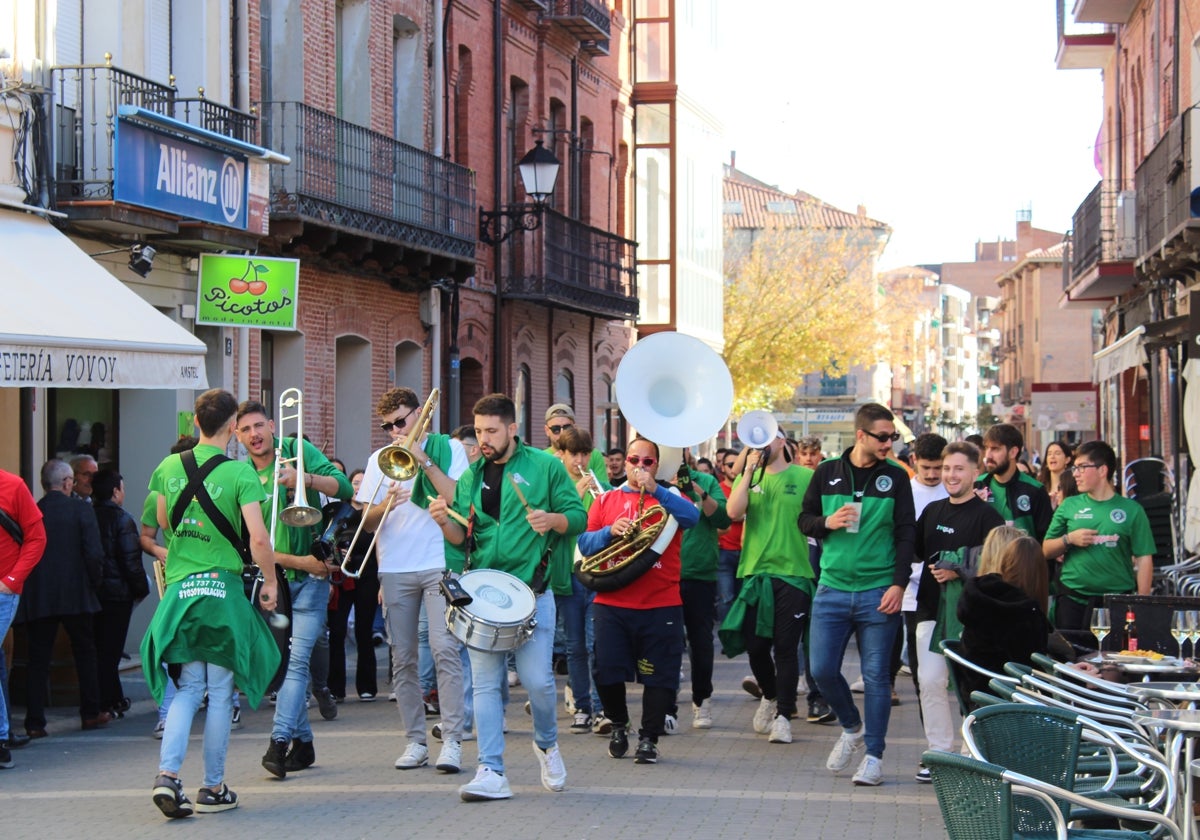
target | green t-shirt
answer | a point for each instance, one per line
(197, 546)
(1106, 566)
(772, 542)
(698, 552)
(288, 539)
(150, 515)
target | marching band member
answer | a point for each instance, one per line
(639, 627)
(411, 562)
(204, 622)
(306, 576)
(521, 502)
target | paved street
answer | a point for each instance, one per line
(724, 783)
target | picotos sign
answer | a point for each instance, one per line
(248, 291)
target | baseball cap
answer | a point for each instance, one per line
(560, 410)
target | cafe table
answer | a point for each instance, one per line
(1184, 726)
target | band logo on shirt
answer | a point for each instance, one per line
(883, 483)
(1023, 504)
(1117, 516)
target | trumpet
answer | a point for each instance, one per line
(299, 514)
(594, 488)
(398, 463)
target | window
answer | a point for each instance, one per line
(524, 398)
(564, 388)
(785, 207)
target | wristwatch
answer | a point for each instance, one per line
(428, 463)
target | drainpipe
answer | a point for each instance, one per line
(438, 147)
(498, 384)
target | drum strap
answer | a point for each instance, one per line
(195, 489)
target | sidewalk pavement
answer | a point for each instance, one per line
(720, 783)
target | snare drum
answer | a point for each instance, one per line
(500, 616)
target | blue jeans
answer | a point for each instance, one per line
(727, 582)
(8, 608)
(835, 616)
(576, 612)
(310, 597)
(535, 667)
(195, 679)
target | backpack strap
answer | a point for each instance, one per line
(195, 489)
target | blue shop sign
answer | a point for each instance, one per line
(168, 173)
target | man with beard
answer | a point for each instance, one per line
(950, 533)
(306, 577)
(861, 507)
(1018, 498)
(521, 502)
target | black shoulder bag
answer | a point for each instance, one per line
(195, 489)
(10, 525)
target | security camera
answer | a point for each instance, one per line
(141, 259)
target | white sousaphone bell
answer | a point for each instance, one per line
(676, 391)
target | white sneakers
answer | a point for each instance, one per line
(554, 771)
(764, 716)
(847, 746)
(415, 755)
(487, 784)
(702, 715)
(781, 730)
(671, 725)
(869, 772)
(450, 758)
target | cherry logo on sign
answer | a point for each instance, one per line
(255, 286)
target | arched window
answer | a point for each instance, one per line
(524, 397)
(564, 388)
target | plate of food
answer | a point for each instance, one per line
(1142, 657)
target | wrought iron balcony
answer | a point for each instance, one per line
(86, 98)
(595, 47)
(348, 178)
(1099, 260)
(1164, 183)
(575, 266)
(584, 19)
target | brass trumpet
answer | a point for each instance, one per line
(397, 463)
(595, 488)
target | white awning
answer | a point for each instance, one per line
(1122, 354)
(66, 322)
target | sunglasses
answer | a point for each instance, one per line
(643, 462)
(559, 429)
(399, 423)
(883, 437)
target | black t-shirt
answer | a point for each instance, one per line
(946, 527)
(489, 494)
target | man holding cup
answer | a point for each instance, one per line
(861, 507)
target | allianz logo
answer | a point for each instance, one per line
(197, 182)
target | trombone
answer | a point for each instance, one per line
(398, 463)
(299, 514)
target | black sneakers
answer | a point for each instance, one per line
(618, 742)
(647, 752)
(6, 761)
(170, 798)
(326, 703)
(300, 757)
(819, 712)
(213, 802)
(275, 761)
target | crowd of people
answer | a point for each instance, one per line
(783, 552)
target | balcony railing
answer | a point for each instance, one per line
(86, 98)
(1103, 230)
(1164, 184)
(585, 19)
(576, 266)
(348, 177)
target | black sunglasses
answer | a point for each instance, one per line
(558, 429)
(883, 437)
(399, 423)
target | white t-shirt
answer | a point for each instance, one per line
(923, 495)
(409, 539)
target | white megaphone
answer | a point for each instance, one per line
(757, 428)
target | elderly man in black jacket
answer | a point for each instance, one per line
(62, 590)
(122, 584)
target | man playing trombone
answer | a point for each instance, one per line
(306, 576)
(412, 558)
(519, 500)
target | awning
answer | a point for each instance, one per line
(1122, 354)
(66, 322)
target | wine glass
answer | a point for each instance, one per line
(1193, 626)
(1101, 625)
(1180, 630)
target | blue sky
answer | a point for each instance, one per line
(943, 117)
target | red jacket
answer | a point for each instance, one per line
(659, 587)
(16, 562)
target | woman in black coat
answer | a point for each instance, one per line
(122, 584)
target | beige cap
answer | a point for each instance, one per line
(560, 410)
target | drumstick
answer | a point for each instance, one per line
(160, 577)
(453, 514)
(520, 495)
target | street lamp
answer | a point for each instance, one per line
(539, 172)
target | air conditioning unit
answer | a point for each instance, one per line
(1126, 225)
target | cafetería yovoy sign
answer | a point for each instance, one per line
(31, 366)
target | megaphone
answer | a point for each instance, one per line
(674, 389)
(757, 428)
